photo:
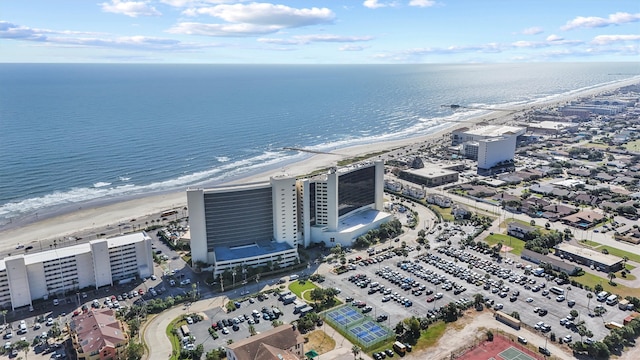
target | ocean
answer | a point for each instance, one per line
(72, 134)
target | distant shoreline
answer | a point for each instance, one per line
(99, 214)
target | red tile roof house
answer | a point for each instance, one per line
(98, 335)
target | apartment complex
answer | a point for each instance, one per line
(98, 335)
(65, 270)
(259, 223)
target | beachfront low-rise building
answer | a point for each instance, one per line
(463, 135)
(430, 175)
(264, 223)
(62, 271)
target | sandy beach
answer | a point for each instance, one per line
(89, 221)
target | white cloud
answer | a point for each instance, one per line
(528, 44)
(184, 3)
(223, 30)
(352, 48)
(266, 14)
(554, 37)
(422, 3)
(373, 4)
(594, 21)
(252, 19)
(532, 30)
(12, 31)
(608, 39)
(306, 39)
(86, 39)
(130, 8)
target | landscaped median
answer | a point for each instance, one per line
(302, 289)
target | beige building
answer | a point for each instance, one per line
(98, 335)
(282, 343)
(430, 175)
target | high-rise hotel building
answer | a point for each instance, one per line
(257, 223)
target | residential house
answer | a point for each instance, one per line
(586, 199)
(533, 205)
(603, 176)
(281, 343)
(460, 212)
(98, 335)
(583, 219)
(519, 230)
(439, 200)
(554, 212)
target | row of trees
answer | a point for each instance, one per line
(541, 243)
(612, 343)
(385, 232)
(324, 298)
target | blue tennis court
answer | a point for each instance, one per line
(358, 327)
(374, 328)
(345, 316)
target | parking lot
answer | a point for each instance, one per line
(237, 322)
(401, 287)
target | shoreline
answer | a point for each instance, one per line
(100, 215)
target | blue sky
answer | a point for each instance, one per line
(318, 32)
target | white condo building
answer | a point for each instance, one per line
(464, 135)
(65, 270)
(495, 150)
(490, 145)
(254, 224)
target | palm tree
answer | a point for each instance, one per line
(589, 296)
(355, 350)
(4, 316)
(611, 276)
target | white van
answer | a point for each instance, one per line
(612, 300)
(294, 277)
(602, 296)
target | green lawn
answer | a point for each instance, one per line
(174, 339)
(506, 240)
(596, 145)
(298, 288)
(633, 145)
(427, 338)
(431, 336)
(593, 244)
(444, 212)
(592, 280)
(621, 253)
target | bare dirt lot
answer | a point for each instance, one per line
(472, 327)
